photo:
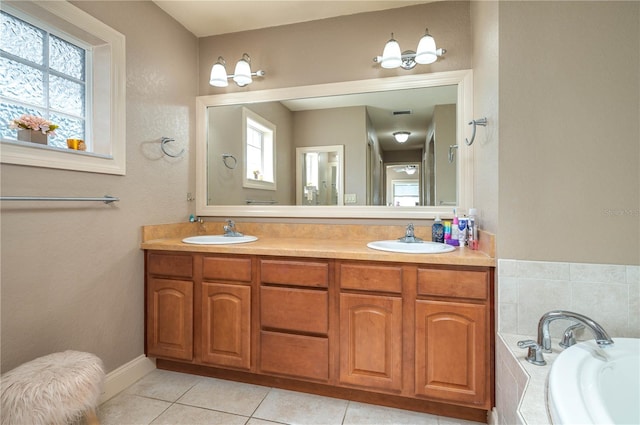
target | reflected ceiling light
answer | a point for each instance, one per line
(401, 136)
(242, 75)
(410, 169)
(392, 57)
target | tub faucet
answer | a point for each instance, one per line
(230, 229)
(569, 339)
(544, 339)
(543, 344)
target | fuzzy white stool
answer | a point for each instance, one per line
(59, 389)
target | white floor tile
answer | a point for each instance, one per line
(179, 414)
(226, 396)
(164, 385)
(129, 409)
(301, 409)
(367, 414)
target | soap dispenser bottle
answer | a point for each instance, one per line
(437, 230)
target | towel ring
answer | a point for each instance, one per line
(166, 140)
(225, 156)
(480, 121)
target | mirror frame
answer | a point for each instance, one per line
(464, 176)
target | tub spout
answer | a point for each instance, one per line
(544, 339)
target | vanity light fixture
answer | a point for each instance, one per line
(242, 75)
(393, 57)
(401, 136)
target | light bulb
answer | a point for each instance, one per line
(391, 55)
(426, 52)
(242, 74)
(219, 74)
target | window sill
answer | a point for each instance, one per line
(32, 154)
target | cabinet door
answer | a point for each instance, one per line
(170, 318)
(452, 352)
(226, 318)
(371, 341)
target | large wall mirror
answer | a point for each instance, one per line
(250, 167)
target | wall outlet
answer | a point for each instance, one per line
(350, 198)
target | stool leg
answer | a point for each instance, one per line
(91, 418)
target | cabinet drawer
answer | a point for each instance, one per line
(227, 268)
(294, 355)
(298, 273)
(453, 283)
(170, 264)
(371, 278)
(301, 310)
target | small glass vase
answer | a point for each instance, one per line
(33, 136)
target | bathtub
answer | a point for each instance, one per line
(591, 385)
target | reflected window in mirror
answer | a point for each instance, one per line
(259, 143)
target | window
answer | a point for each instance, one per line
(259, 137)
(62, 64)
(47, 79)
(406, 193)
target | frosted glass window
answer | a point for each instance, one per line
(21, 83)
(66, 58)
(22, 39)
(45, 75)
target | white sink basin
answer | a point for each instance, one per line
(411, 248)
(218, 239)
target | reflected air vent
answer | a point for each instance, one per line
(407, 112)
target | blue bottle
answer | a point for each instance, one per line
(437, 230)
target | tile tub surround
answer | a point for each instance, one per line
(164, 397)
(607, 293)
(521, 387)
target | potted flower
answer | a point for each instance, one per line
(32, 128)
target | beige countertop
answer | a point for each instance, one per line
(169, 238)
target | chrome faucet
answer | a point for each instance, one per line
(543, 344)
(230, 229)
(409, 235)
(569, 339)
(544, 339)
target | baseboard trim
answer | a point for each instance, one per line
(124, 376)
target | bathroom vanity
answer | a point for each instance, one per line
(327, 317)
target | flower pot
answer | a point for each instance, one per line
(33, 136)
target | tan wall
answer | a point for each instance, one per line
(226, 184)
(484, 15)
(72, 274)
(444, 119)
(349, 129)
(569, 155)
(340, 49)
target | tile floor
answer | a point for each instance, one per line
(172, 398)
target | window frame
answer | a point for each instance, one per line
(106, 100)
(269, 128)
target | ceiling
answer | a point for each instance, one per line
(212, 17)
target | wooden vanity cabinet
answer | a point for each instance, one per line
(371, 326)
(453, 336)
(169, 305)
(406, 335)
(225, 312)
(294, 318)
